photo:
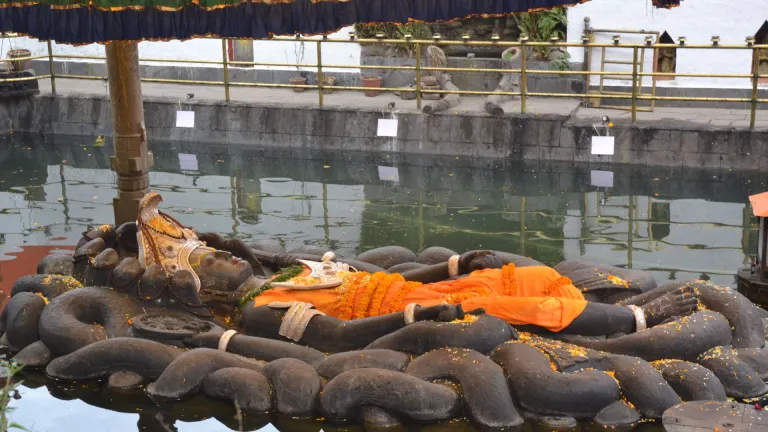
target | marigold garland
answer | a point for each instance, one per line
(559, 282)
(347, 291)
(381, 292)
(509, 279)
(368, 290)
(396, 304)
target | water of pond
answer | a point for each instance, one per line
(678, 224)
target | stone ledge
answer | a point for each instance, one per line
(531, 137)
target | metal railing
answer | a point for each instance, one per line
(524, 44)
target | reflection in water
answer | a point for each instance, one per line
(677, 224)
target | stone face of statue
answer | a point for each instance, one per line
(219, 270)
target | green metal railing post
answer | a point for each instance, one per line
(634, 84)
(320, 73)
(755, 82)
(418, 75)
(225, 59)
(50, 66)
(523, 73)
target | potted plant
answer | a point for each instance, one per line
(301, 77)
(371, 81)
(20, 65)
(328, 81)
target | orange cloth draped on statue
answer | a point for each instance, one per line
(527, 295)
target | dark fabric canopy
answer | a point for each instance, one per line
(89, 21)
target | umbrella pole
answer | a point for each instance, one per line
(131, 161)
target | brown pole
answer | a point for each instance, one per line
(131, 161)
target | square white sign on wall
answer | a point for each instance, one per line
(188, 162)
(602, 178)
(387, 128)
(603, 145)
(389, 173)
(185, 119)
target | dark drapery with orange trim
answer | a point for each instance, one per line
(89, 21)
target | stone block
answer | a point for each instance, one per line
(246, 138)
(423, 147)
(456, 149)
(357, 144)
(702, 160)
(255, 119)
(714, 141)
(492, 150)
(653, 139)
(439, 128)
(364, 124)
(391, 145)
(741, 143)
(412, 127)
(286, 121)
(206, 117)
(549, 133)
(664, 158)
(275, 140)
(528, 131)
(470, 129)
(689, 141)
(229, 118)
(326, 123)
(531, 152)
(557, 153)
(740, 162)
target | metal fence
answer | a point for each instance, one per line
(524, 44)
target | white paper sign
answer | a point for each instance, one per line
(389, 173)
(185, 119)
(603, 145)
(188, 162)
(387, 128)
(602, 178)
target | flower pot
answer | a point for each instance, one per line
(18, 66)
(298, 81)
(328, 81)
(372, 82)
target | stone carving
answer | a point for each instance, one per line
(134, 326)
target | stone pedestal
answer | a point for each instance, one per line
(750, 285)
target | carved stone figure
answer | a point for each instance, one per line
(156, 303)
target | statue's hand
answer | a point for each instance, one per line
(680, 302)
(285, 260)
(441, 312)
(203, 340)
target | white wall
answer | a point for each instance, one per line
(697, 20)
(209, 49)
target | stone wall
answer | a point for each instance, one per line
(528, 137)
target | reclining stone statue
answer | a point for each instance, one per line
(375, 331)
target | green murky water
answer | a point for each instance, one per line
(676, 224)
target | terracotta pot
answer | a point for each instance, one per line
(19, 66)
(298, 81)
(328, 81)
(372, 82)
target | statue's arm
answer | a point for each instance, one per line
(604, 319)
(329, 334)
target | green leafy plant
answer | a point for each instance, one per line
(541, 26)
(562, 63)
(417, 30)
(284, 275)
(9, 391)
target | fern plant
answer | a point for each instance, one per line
(541, 26)
(418, 30)
(9, 390)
